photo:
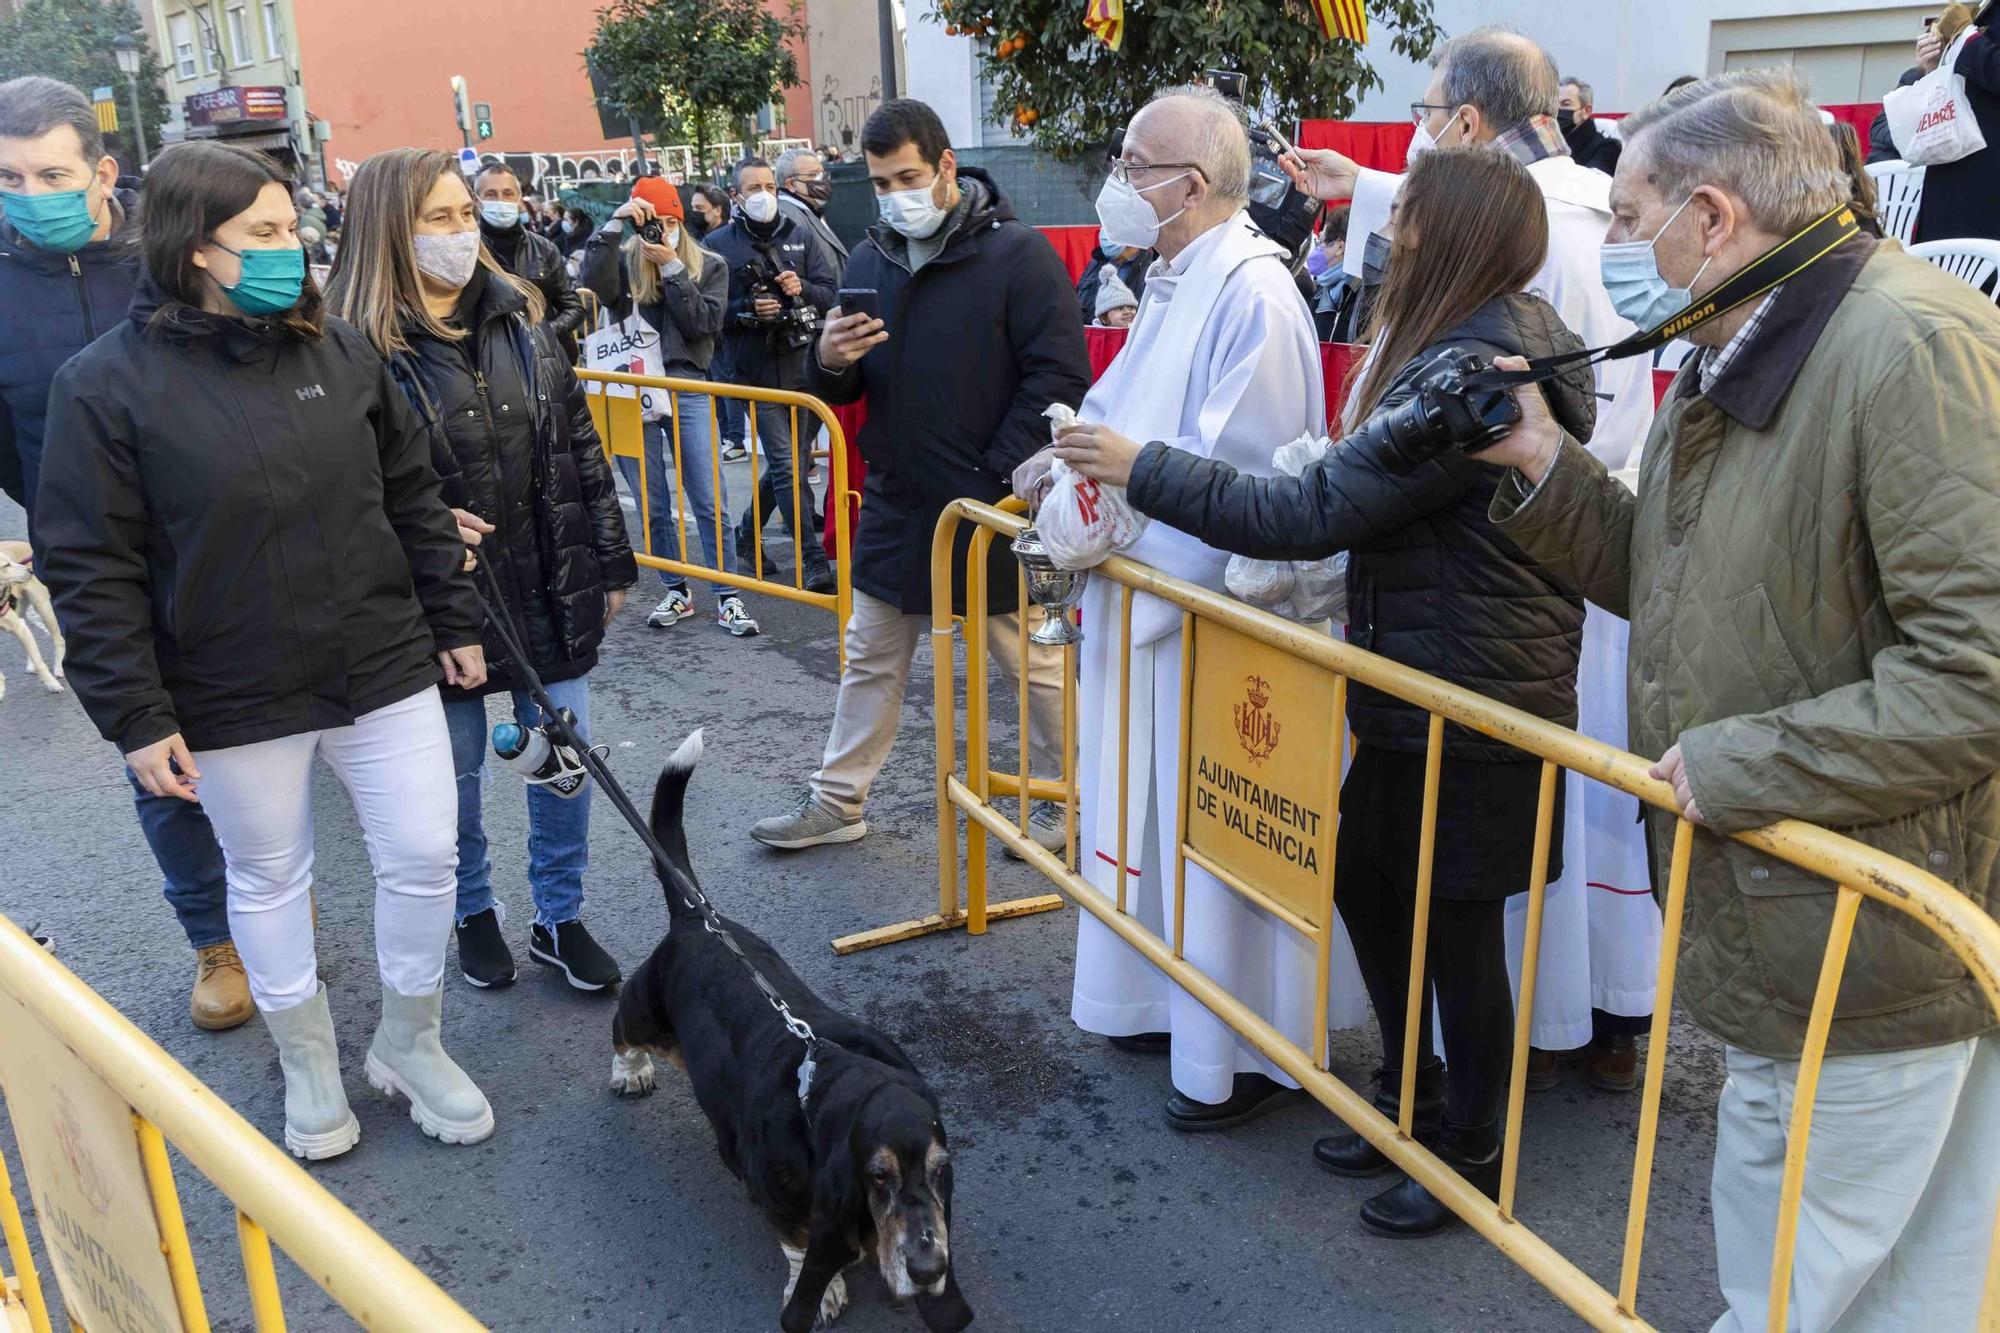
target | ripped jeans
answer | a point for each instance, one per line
(558, 829)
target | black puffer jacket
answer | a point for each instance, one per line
(1431, 583)
(535, 259)
(512, 440)
(243, 531)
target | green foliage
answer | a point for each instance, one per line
(71, 40)
(692, 71)
(1075, 92)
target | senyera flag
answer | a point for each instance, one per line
(1343, 18)
(1106, 19)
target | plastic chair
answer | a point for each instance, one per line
(1975, 260)
(1899, 193)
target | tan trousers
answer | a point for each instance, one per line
(881, 642)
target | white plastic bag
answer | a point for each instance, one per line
(631, 346)
(1081, 521)
(1307, 591)
(1931, 120)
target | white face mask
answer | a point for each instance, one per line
(761, 206)
(449, 257)
(914, 213)
(1421, 142)
(500, 213)
(1125, 218)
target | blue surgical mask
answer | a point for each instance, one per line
(1631, 273)
(272, 279)
(499, 213)
(59, 220)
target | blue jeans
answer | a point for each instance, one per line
(558, 829)
(733, 412)
(698, 473)
(191, 859)
(775, 424)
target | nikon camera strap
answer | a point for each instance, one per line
(1779, 264)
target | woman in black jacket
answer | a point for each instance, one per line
(682, 293)
(246, 542)
(1434, 585)
(1962, 198)
(511, 437)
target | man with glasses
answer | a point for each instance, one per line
(1497, 89)
(1221, 362)
(804, 190)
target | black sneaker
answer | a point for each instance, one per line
(580, 957)
(483, 955)
(819, 575)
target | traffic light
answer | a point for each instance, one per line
(482, 119)
(461, 105)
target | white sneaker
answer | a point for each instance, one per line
(732, 617)
(675, 607)
(734, 451)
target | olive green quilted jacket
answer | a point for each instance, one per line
(1812, 572)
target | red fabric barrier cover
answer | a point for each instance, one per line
(1103, 346)
(1074, 245)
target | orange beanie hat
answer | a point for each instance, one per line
(662, 194)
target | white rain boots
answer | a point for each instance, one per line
(406, 1058)
(318, 1123)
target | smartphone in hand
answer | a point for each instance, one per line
(861, 301)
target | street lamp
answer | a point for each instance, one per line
(130, 52)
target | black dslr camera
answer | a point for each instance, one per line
(653, 233)
(796, 325)
(1281, 210)
(1444, 413)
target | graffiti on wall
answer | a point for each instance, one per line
(840, 118)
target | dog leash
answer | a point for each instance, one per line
(554, 719)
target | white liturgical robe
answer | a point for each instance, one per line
(1221, 362)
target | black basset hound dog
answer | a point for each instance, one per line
(854, 1163)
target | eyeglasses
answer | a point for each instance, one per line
(1420, 111)
(1121, 170)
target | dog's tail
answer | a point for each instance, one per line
(669, 798)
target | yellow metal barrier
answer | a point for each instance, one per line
(93, 1103)
(1321, 667)
(622, 430)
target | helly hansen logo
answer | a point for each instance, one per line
(309, 392)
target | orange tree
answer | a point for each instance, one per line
(1074, 92)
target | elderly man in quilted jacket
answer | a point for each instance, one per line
(1812, 571)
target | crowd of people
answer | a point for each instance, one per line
(1781, 584)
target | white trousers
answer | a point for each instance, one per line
(881, 643)
(1901, 1184)
(396, 765)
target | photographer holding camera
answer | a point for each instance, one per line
(1434, 585)
(780, 287)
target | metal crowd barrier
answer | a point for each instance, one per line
(622, 429)
(1302, 676)
(94, 1103)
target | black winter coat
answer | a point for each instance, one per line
(1962, 198)
(512, 440)
(1431, 583)
(754, 352)
(981, 340)
(533, 259)
(243, 531)
(52, 306)
(1593, 148)
(1131, 272)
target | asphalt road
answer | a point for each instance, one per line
(1077, 1208)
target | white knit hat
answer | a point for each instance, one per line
(1112, 293)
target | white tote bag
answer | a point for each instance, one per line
(1931, 120)
(630, 346)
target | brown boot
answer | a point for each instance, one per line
(1612, 1064)
(1544, 1069)
(221, 998)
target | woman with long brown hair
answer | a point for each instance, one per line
(243, 532)
(511, 437)
(1434, 585)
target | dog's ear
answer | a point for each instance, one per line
(947, 1311)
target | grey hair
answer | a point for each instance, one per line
(1219, 142)
(1504, 73)
(787, 164)
(1752, 132)
(30, 107)
(1584, 92)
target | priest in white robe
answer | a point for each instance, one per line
(1221, 361)
(1601, 927)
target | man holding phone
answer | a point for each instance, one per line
(963, 329)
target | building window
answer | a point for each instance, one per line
(180, 29)
(211, 58)
(240, 50)
(274, 31)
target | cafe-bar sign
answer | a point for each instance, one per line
(228, 106)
